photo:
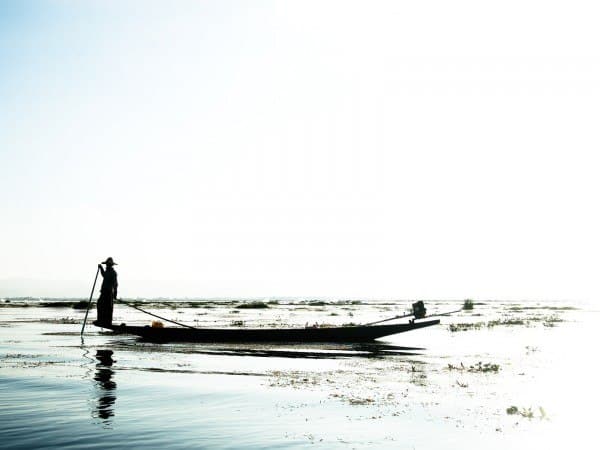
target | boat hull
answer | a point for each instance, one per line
(348, 334)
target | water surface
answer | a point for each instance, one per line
(439, 387)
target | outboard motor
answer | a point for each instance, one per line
(419, 310)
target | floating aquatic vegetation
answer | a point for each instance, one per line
(75, 303)
(21, 356)
(453, 327)
(542, 318)
(351, 302)
(82, 304)
(487, 367)
(252, 305)
(298, 380)
(317, 303)
(360, 401)
(476, 368)
(418, 377)
(62, 320)
(547, 321)
(547, 308)
(528, 413)
(237, 323)
(461, 384)
(493, 323)
(551, 321)
(468, 304)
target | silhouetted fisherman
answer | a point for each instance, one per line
(108, 292)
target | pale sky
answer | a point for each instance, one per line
(400, 149)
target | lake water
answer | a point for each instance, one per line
(518, 374)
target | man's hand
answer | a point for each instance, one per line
(99, 266)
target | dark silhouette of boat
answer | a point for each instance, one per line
(342, 334)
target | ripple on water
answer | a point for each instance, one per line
(115, 391)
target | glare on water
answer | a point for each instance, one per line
(505, 373)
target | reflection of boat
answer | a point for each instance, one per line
(356, 333)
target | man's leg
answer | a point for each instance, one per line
(109, 311)
(102, 313)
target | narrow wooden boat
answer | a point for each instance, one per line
(345, 334)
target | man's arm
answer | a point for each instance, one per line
(101, 270)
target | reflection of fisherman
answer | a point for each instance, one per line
(104, 373)
(108, 292)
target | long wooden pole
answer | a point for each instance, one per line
(391, 318)
(159, 317)
(408, 315)
(90, 302)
